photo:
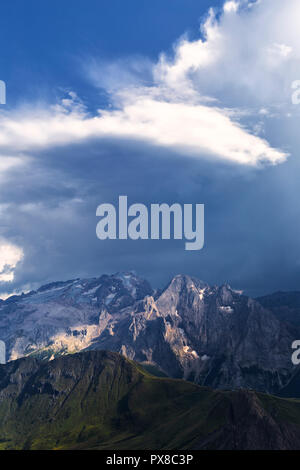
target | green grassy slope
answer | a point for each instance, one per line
(100, 400)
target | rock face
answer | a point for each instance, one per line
(210, 335)
(100, 400)
(64, 316)
(285, 305)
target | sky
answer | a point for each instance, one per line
(163, 101)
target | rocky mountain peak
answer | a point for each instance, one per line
(182, 282)
(212, 335)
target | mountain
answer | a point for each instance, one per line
(292, 388)
(64, 317)
(100, 400)
(285, 305)
(214, 336)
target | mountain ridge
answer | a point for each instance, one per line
(101, 400)
(214, 336)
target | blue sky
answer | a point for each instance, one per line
(42, 43)
(164, 101)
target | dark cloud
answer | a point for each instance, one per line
(251, 221)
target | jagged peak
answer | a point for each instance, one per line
(187, 280)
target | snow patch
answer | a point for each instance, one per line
(205, 357)
(91, 291)
(226, 309)
(109, 298)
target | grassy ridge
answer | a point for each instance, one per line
(100, 400)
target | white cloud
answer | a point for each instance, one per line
(247, 56)
(230, 6)
(6, 163)
(186, 127)
(10, 256)
(198, 101)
